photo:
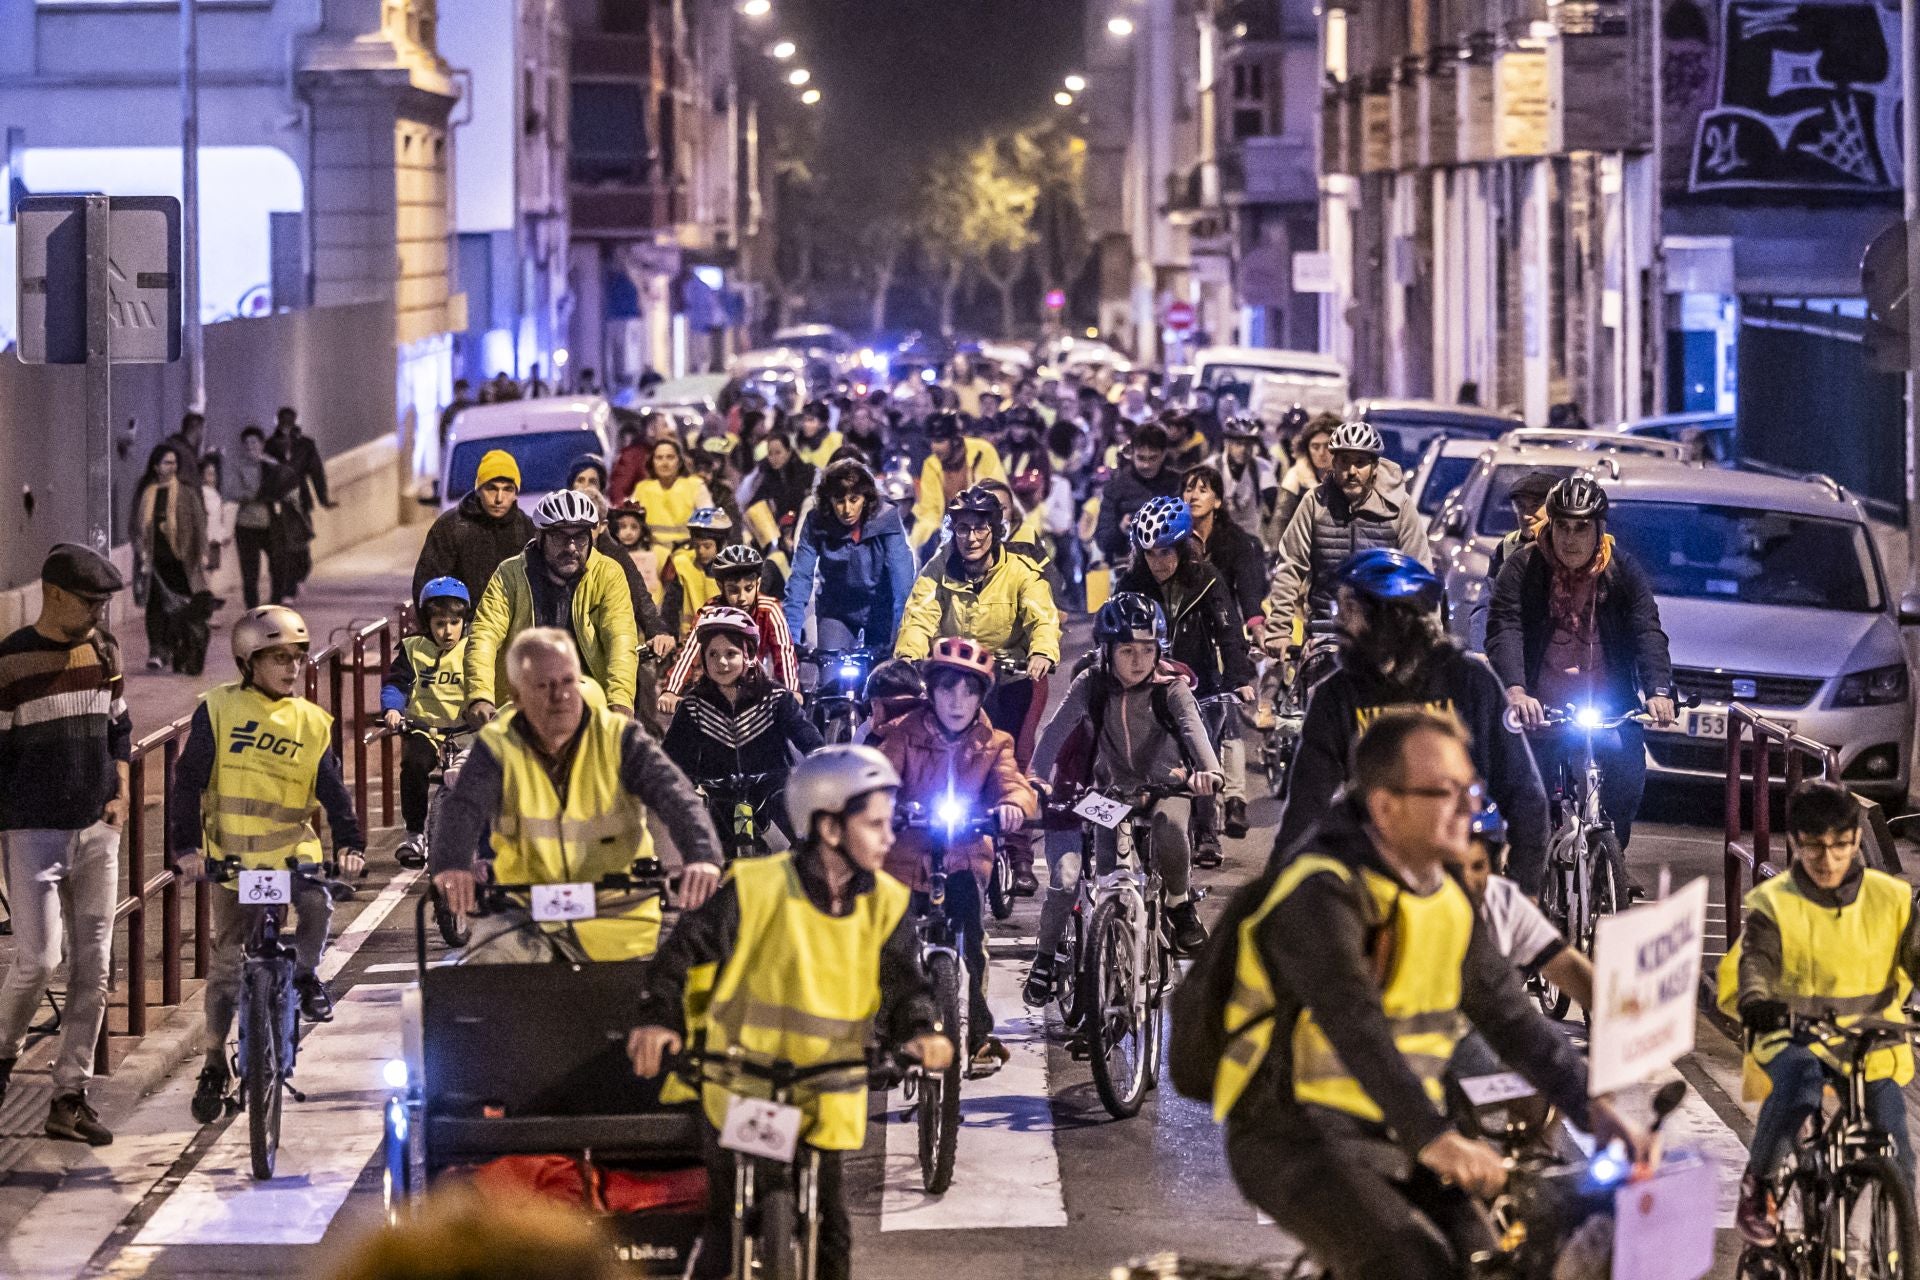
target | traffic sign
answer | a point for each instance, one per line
(1056, 299)
(1180, 316)
(143, 279)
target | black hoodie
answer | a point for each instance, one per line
(468, 544)
(1314, 947)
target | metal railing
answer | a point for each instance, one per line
(1748, 862)
(336, 678)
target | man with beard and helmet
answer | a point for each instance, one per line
(1392, 653)
(1348, 512)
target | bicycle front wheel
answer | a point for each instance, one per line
(1553, 902)
(1116, 1024)
(1000, 885)
(1872, 1232)
(777, 1240)
(940, 1092)
(1607, 892)
(260, 1085)
(1067, 970)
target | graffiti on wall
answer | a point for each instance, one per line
(1808, 99)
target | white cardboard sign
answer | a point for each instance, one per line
(1646, 981)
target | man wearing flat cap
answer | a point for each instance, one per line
(65, 743)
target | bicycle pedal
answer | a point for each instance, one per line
(292, 1092)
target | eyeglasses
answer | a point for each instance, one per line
(970, 529)
(1471, 796)
(572, 537)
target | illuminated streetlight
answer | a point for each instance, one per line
(810, 97)
(784, 50)
(1076, 84)
(1115, 26)
(799, 76)
(1063, 98)
(756, 8)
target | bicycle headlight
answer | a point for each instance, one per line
(1587, 717)
(950, 812)
(394, 1073)
(850, 669)
(1607, 1167)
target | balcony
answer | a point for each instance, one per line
(1269, 170)
(626, 210)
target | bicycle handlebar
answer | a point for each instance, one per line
(696, 1066)
(734, 783)
(410, 725)
(653, 879)
(222, 870)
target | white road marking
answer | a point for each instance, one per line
(324, 1142)
(406, 966)
(1006, 1172)
(342, 948)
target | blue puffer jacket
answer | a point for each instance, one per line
(864, 577)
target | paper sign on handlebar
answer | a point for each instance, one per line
(266, 888)
(1104, 810)
(756, 1127)
(563, 902)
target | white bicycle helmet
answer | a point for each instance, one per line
(564, 507)
(831, 779)
(1356, 437)
(265, 627)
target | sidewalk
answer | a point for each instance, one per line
(356, 586)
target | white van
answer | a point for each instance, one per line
(544, 437)
(1268, 381)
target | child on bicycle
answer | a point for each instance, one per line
(805, 956)
(1143, 729)
(737, 571)
(427, 683)
(951, 759)
(258, 759)
(736, 721)
(1831, 935)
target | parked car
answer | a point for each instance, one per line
(544, 436)
(1709, 437)
(1446, 463)
(1407, 427)
(1268, 381)
(1772, 594)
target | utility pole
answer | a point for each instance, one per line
(191, 338)
(1910, 209)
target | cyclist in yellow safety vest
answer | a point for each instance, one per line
(1831, 936)
(258, 760)
(803, 956)
(560, 786)
(1356, 975)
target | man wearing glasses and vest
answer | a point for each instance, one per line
(1356, 977)
(560, 781)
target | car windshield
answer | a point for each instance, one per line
(544, 458)
(1743, 554)
(1496, 510)
(1236, 380)
(1443, 478)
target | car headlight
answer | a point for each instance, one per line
(1873, 688)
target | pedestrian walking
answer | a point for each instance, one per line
(170, 555)
(65, 743)
(254, 487)
(295, 450)
(220, 514)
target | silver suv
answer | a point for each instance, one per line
(1772, 595)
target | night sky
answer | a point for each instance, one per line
(901, 77)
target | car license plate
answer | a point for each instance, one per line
(266, 888)
(756, 1127)
(563, 902)
(1706, 724)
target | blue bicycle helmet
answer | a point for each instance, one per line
(1390, 577)
(1161, 524)
(1491, 826)
(445, 589)
(1127, 617)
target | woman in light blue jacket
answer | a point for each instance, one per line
(854, 544)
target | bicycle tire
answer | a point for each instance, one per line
(1608, 889)
(777, 1238)
(261, 1089)
(1067, 972)
(455, 931)
(1552, 1000)
(1111, 1021)
(1000, 884)
(940, 1093)
(1891, 1250)
(839, 727)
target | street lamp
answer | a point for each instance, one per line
(1063, 98)
(756, 8)
(810, 97)
(799, 76)
(784, 50)
(1116, 26)
(1076, 84)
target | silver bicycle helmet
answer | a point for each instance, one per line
(566, 507)
(831, 779)
(1356, 437)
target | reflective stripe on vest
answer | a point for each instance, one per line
(1844, 962)
(802, 986)
(1420, 995)
(266, 760)
(439, 681)
(601, 831)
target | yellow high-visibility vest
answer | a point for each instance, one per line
(600, 831)
(439, 681)
(1420, 994)
(266, 761)
(697, 589)
(802, 986)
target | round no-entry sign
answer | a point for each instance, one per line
(1180, 315)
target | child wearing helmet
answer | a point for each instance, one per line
(688, 585)
(737, 572)
(734, 720)
(427, 683)
(744, 949)
(1205, 632)
(948, 753)
(1145, 730)
(257, 752)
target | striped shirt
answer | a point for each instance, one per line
(63, 724)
